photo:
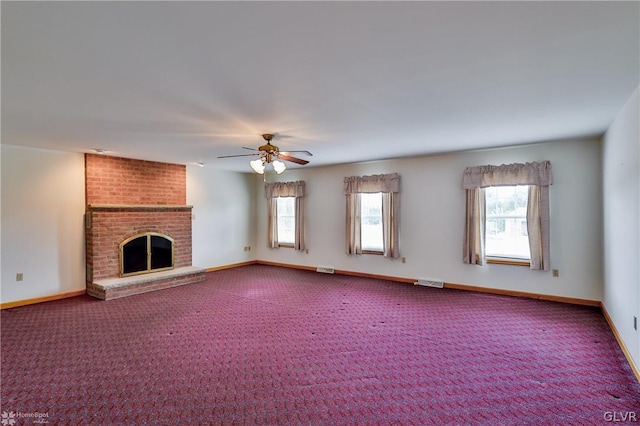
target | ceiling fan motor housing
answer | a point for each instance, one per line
(268, 148)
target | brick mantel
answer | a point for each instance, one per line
(136, 207)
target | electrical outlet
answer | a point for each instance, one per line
(19, 276)
(556, 273)
(404, 260)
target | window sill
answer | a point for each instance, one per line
(372, 252)
(509, 261)
(285, 245)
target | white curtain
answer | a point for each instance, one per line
(285, 189)
(473, 245)
(298, 243)
(538, 227)
(354, 242)
(389, 186)
(272, 222)
(372, 184)
(390, 219)
(508, 174)
(538, 176)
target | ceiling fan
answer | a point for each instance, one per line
(270, 154)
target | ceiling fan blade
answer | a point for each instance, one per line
(238, 155)
(292, 159)
(302, 152)
(250, 149)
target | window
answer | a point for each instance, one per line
(285, 214)
(372, 214)
(286, 220)
(492, 214)
(506, 223)
(371, 222)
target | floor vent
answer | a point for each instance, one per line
(325, 269)
(429, 282)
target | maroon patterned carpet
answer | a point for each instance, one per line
(267, 345)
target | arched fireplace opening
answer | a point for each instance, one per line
(148, 252)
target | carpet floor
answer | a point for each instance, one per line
(275, 346)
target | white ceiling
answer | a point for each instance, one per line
(185, 82)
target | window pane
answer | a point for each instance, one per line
(506, 223)
(371, 221)
(286, 220)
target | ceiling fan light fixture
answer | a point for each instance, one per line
(270, 154)
(279, 166)
(257, 166)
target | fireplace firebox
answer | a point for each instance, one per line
(144, 253)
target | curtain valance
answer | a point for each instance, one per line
(371, 184)
(508, 174)
(284, 189)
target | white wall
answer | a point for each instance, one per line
(43, 203)
(224, 216)
(621, 183)
(432, 220)
(43, 206)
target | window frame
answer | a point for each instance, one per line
(286, 244)
(369, 250)
(505, 260)
(508, 261)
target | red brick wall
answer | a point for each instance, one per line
(113, 183)
(114, 180)
(109, 227)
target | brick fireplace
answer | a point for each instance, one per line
(126, 198)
